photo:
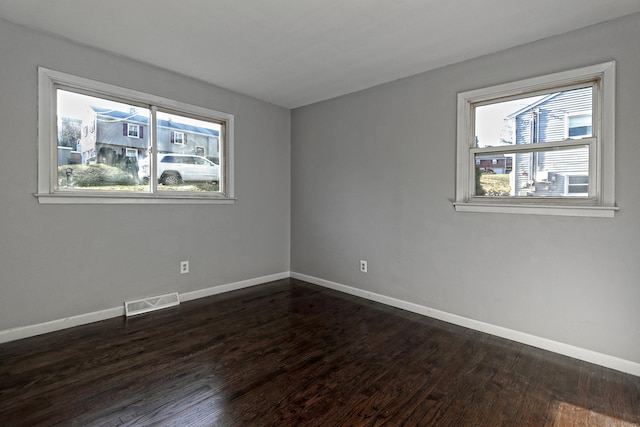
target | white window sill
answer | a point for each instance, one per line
(118, 199)
(558, 210)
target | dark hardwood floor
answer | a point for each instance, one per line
(293, 354)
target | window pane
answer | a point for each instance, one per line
(100, 143)
(549, 117)
(558, 172)
(579, 126)
(189, 154)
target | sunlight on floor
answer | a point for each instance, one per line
(565, 414)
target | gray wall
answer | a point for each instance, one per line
(60, 261)
(373, 178)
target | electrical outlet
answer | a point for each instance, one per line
(184, 267)
(363, 266)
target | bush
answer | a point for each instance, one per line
(94, 176)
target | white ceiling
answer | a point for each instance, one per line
(297, 52)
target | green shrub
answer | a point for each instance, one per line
(94, 176)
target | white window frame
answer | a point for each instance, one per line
(131, 133)
(601, 200)
(177, 134)
(48, 193)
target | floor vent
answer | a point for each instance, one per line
(145, 305)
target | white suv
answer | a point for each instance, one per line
(175, 168)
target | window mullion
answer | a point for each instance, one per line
(153, 150)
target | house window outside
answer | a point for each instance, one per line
(133, 131)
(579, 125)
(178, 138)
(121, 162)
(577, 184)
(557, 133)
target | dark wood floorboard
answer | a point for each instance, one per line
(290, 353)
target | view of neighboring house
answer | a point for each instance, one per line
(117, 137)
(497, 163)
(554, 117)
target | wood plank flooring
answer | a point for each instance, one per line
(290, 353)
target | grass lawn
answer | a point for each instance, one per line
(495, 184)
(101, 177)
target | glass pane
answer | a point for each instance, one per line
(558, 172)
(554, 116)
(580, 126)
(100, 143)
(189, 154)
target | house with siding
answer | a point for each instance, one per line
(114, 137)
(554, 117)
(496, 163)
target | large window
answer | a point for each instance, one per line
(539, 146)
(100, 143)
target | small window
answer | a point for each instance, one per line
(178, 138)
(577, 184)
(550, 140)
(579, 125)
(120, 162)
(132, 130)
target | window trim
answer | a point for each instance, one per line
(50, 80)
(602, 151)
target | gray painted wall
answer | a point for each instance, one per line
(373, 178)
(60, 261)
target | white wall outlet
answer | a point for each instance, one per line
(184, 267)
(363, 266)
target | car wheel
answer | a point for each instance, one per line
(171, 179)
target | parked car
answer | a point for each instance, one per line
(175, 168)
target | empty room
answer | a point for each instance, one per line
(305, 213)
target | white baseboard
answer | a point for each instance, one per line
(590, 356)
(586, 355)
(201, 293)
(56, 325)
(82, 319)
